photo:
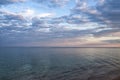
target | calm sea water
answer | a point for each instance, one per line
(59, 63)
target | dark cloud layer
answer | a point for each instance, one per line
(15, 28)
(106, 12)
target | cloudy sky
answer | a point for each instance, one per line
(61, 23)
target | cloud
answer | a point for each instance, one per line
(29, 13)
(45, 15)
(16, 29)
(102, 31)
(52, 3)
(11, 20)
(48, 3)
(117, 41)
(6, 2)
(13, 26)
(105, 11)
(85, 20)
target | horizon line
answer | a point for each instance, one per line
(50, 47)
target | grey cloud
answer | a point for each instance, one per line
(5, 2)
(112, 41)
(16, 29)
(12, 27)
(52, 3)
(70, 19)
(107, 12)
(9, 21)
(49, 3)
(11, 16)
(104, 31)
(41, 23)
(58, 20)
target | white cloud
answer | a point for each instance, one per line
(45, 15)
(18, 0)
(44, 30)
(29, 13)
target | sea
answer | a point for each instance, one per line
(59, 63)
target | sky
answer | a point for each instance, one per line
(60, 23)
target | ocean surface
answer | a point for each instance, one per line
(59, 63)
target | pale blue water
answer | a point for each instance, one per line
(59, 63)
